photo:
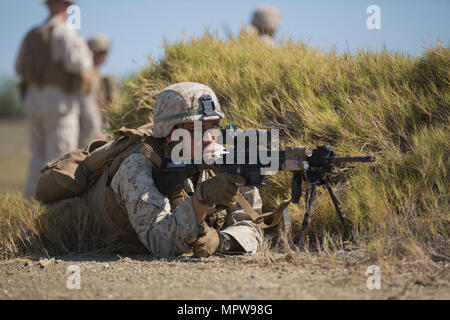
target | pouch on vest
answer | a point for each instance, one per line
(37, 67)
(36, 55)
(73, 174)
(66, 177)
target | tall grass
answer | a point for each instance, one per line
(383, 103)
(29, 228)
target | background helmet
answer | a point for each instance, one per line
(183, 103)
(266, 18)
(99, 43)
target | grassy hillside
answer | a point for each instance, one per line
(390, 105)
(383, 103)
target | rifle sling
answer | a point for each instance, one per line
(282, 211)
(259, 219)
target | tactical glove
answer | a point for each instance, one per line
(220, 190)
(207, 243)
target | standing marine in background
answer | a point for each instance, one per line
(55, 66)
(103, 91)
(265, 22)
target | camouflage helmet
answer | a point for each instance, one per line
(99, 43)
(183, 103)
(266, 18)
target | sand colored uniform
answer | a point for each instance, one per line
(166, 232)
(90, 115)
(53, 114)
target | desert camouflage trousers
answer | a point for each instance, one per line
(54, 126)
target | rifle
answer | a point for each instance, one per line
(314, 166)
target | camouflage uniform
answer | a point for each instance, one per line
(167, 231)
(90, 114)
(53, 114)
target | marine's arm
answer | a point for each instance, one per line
(240, 233)
(163, 232)
(246, 234)
(90, 117)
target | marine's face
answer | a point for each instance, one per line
(209, 138)
(100, 58)
(57, 7)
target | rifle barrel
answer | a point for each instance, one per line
(353, 159)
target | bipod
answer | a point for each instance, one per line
(317, 180)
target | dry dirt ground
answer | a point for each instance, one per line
(274, 276)
(263, 276)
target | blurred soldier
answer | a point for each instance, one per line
(169, 213)
(54, 64)
(100, 47)
(101, 94)
(266, 20)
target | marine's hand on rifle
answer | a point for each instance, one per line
(169, 182)
(207, 243)
(220, 190)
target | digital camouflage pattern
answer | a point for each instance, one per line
(166, 232)
(91, 120)
(53, 114)
(51, 134)
(102, 93)
(180, 103)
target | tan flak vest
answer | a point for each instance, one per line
(37, 68)
(88, 173)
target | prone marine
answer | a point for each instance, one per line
(116, 181)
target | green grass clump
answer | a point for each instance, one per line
(391, 105)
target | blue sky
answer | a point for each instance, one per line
(137, 27)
